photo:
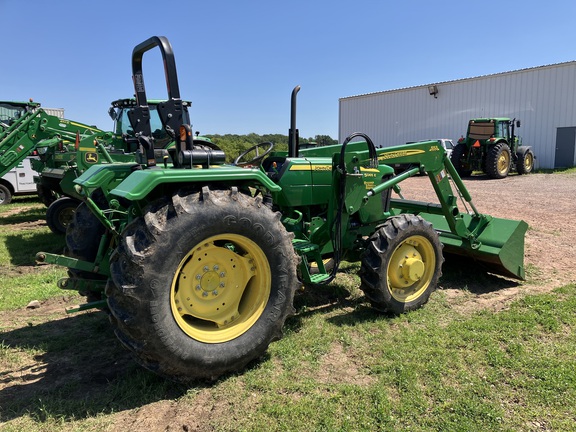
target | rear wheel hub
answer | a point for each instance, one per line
(221, 288)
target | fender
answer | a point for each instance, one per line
(140, 183)
(522, 150)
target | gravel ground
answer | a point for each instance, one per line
(547, 202)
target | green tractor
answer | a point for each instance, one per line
(198, 260)
(64, 149)
(26, 128)
(10, 111)
(491, 146)
(59, 166)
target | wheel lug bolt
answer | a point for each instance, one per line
(205, 268)
(204, 294)
(215, 267)
(222, 274)
(221, 284)
(198, 287)
(198, 276)
(214, 293)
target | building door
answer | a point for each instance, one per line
(565, 147)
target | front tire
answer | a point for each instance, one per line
(5, 195)
(401, 265)
(525, 163)
(83, 236)
(202, 283)
(60, 214)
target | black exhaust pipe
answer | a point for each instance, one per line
(293, 138)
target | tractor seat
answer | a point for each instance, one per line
(273, 167)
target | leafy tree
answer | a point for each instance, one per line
(324, 140)
(233, 144)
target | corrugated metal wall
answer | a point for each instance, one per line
(542, 98)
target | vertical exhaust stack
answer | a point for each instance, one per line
(293, 132)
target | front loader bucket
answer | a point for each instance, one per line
(499, 245)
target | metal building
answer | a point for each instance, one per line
(541, 97)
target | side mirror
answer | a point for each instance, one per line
(517, 123)
(112, 113)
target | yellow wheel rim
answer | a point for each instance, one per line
(220, 288)
(503, 163)
(528, 162)
(411, 268)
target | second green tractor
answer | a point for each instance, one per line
(491, 146)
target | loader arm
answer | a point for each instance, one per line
(34, 129)
(497, 243)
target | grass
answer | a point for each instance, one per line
(20, 279)
(340, 365)
(570, 170)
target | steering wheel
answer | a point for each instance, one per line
(257, 158)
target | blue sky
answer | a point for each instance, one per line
(238, 61)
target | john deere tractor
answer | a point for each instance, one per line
(59, 166)
(65, 149)
(491, 146)
(198, 261)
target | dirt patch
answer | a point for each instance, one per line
(338, 367)
(25, 217)
(31, 225)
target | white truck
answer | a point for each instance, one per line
(18, 181)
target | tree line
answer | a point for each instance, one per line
(233, 144)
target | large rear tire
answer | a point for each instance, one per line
(498, 161)
(458, 159)
(402, 264)
(202, 283)
(46, 195)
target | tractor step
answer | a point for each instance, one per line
(303, 247)
(319, 278)
(311, 251)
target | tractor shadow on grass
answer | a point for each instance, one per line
(462, 273)
(458, 274)
(23, 247)
(72, 368)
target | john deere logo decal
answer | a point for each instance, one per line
(399, 154)
(91, 157)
